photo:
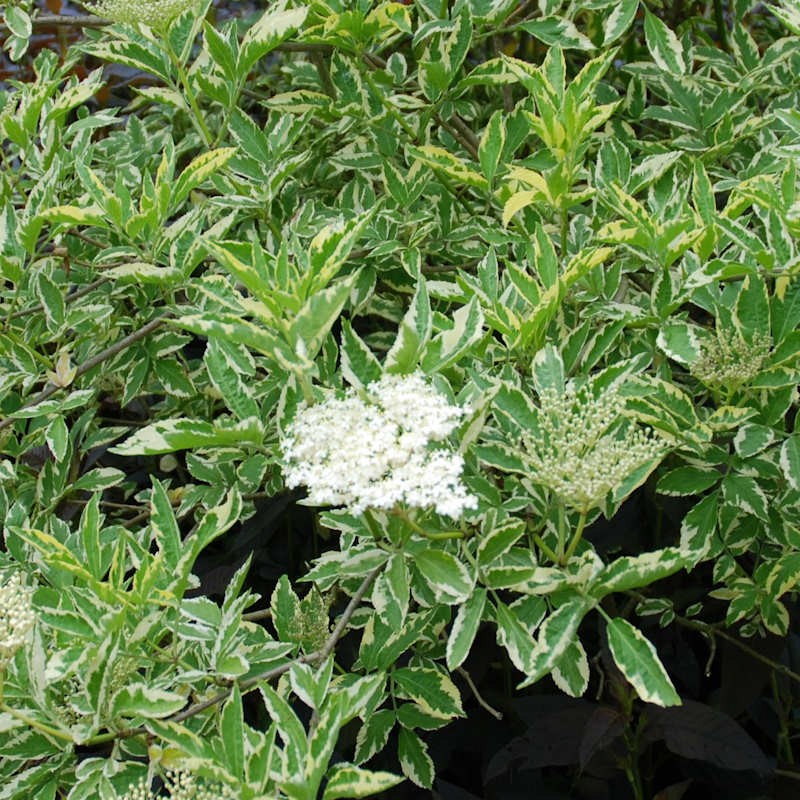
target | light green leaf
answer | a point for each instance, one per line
(639, 663)
(267, 33)
(346, 780)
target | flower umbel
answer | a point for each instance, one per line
(16, 617)
(182, 785)
(730, 360)
(155, 13)
(374, 451)
(585, 448)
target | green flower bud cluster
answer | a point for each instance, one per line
(181, 785)
(730, 360)
(155, 13)
(585, 447)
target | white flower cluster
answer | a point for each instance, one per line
(16, 617)
(182, 785)
(155, 13)
(584, 449)
(373, 451)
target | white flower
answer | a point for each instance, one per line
(155, 13)
(584, 447)
(374, 452)
(16, 617)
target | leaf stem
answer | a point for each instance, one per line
(576, 538)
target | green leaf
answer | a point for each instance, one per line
(170, 435)
(442, 59)
(633, 572)
(500, 540)
(663, 45)
(317, 316)
(276, 25)
(415, 762)
(373, 734)
(492, 143)
(449, 345)
(198, 170)
(555, 635)
(681, 341)
(430, 689)
(57, 437)
(346, 780)
(571, 671)
(224, 372)
(752, 315)
(752, 438)
(465, 627)
(413, 334)
(686, 481)
(699, 525)
(622, 15)
(390, 593)
(330, 248)
(639, 663)
(553, 30)
(548, 370)
(163, 525)
(790, 461)
(447, 577)
(514, 636)
(359, 365)
(18, 21)
(140, 700)
(285, 607)
(745, 494)
(290, 729)
(784, 575)
(231, 727)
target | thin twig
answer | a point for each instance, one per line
(92, 362)
(498, 715)
(710, 630)
(70, 298)
(255, 616)
(270, 674)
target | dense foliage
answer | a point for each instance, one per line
(482, 277)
